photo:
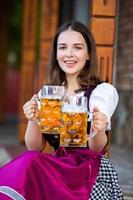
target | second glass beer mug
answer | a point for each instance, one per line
(73, 132)
(50, 109)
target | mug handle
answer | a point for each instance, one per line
(93, 131)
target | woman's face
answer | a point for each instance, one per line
(71, 52)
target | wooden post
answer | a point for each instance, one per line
(102, 24)
(49, 24)
(3, 56)
(28, 60)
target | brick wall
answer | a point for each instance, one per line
(123, 119)
(125, 45)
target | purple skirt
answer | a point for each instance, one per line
(67, 174)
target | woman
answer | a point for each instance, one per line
(67, 173)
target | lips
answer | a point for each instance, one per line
(70, 63)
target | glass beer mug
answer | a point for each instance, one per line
(73, 132)
(50, 109)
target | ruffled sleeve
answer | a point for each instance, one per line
(105, 98)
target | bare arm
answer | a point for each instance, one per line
(99, 122)
(33, 137)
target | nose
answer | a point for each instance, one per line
(69, 52)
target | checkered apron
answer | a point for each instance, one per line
(106, 186)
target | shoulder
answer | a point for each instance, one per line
(106, 89)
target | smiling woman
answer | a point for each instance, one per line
(68, 172)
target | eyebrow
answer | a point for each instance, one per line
(81, 44)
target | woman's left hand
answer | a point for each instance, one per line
(99, 120)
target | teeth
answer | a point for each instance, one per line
(70, 62)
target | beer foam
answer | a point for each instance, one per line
(51, 97)
(73, 108)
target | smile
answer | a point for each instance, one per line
(70, 63)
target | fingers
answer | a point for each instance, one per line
(34, 98)
(30, 108)
(95, 109)
(96, 114)
(99, 120)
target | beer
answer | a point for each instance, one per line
(73, 129)
(50, 109)
(73, 132)
(50, 115)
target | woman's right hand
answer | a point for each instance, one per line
(30, 109)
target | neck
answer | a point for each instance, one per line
(72, 85)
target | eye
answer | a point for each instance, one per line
(62, 47)
(78, 47)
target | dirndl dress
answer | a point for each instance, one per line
(65, 174)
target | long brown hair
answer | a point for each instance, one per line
(89, 74)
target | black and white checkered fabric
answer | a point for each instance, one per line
(106, 186)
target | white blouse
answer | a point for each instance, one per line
(105, 98)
